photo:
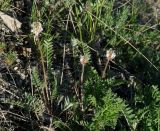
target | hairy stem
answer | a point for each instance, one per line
(105, 68)
(82, 73)
(80, 88)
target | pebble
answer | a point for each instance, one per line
(15, 68)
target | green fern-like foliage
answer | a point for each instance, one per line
(10, 58)
(152, 119)
(30, 103)
(86, 50)
(107, 106)
(130, 117)
(156, 95)
(2, 47)
(35, 78)
(121, 20)
(47, 48)
(34, 103)
(95, 86)
(108, 113)
(5, 4)
(48, 52)
(81, 48)
(112, 108)
(149, 114)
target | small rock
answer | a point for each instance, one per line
(15, 68)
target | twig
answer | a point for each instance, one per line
(64, 51)
(17, 115)
(46, 128)
(7, 90)
(11, 76)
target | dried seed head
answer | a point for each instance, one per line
(83, 60)
(36, 28)
(110, 54)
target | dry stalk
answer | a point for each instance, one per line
(64, 54)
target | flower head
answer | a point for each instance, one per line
(83, 60)
(110, 54)
(36, 28)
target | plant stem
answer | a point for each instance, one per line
(45, 91)
(105, 68)
(64, 53)
(82, 73)
(80, 88)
